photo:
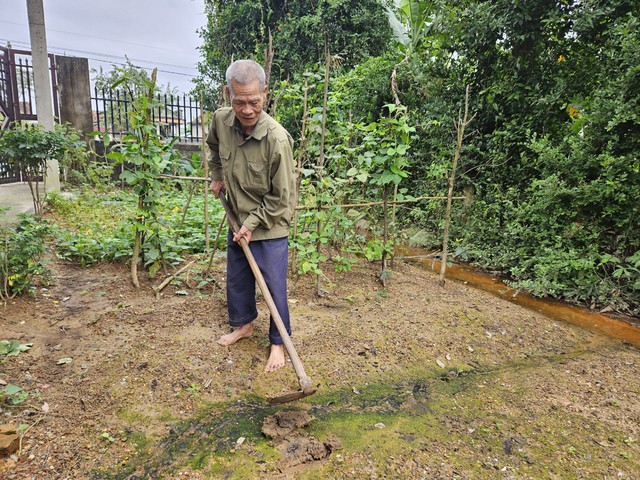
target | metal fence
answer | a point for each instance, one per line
(17, 98)
(175, 116)
(17, 87)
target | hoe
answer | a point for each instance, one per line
(305, 381)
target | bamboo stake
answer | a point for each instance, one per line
(215, 245)
(168, 280)
(373, 204)
(185, 209)
(385, 234)
(327, 71)
(206, 176)
(136, 251)
(460, 126)
(4, 291)
(183, 177)
(344, 205)
(303, 144)
(393, 223)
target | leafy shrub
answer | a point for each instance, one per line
(21, 250)
(28, 147)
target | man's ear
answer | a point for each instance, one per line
(227, 93)
(264, 92)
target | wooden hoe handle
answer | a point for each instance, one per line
(303, 378)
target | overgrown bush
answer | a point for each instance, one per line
(22, 248)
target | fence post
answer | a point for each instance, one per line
(75, 93)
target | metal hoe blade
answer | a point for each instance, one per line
(293, 396)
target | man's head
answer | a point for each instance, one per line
(247, 91)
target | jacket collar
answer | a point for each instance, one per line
(259, 131)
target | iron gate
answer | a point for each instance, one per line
(17, 97)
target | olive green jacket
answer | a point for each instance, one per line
(258, 170)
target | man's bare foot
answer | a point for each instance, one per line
(239, 333)
(276, 358)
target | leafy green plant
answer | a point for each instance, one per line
(100, 174)
(309, 260)
(28, 147)
(13, 347)
(22, 248)
(146, 158)
(193, 390)
(92, 225)
(13, 395)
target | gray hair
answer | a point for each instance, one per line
(244, 72)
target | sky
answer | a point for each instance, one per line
(151, 33)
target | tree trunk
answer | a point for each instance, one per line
(460, 126)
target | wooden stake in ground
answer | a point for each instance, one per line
(215, 246)
(385, 233)
(205, 164)
(137, 243)
(327, 71)
(301, 152)
(185, 209)
(460, 125)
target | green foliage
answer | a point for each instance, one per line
(106, 436)
(13, 347)
(383, 149)
(13, 395)
(353, 30)
(414, 23)
(93, 226)
(145, 157)
(554, 161)
(134, 83)
(28, 147)
(22, 248)
(361, 161)
(362, 92)
(75, 163)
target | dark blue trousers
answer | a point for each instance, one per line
(272, 258)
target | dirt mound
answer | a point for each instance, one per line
(296, 447)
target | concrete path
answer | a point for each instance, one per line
(17, 198)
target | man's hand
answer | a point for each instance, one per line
(217, 186)
(244, 232)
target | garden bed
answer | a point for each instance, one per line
(414, 381)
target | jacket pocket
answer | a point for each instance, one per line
(258, 176)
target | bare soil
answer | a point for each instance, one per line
(414, 381)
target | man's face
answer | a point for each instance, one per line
(247, 101)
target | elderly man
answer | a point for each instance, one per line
(252, 160)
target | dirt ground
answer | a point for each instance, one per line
(414, 381)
